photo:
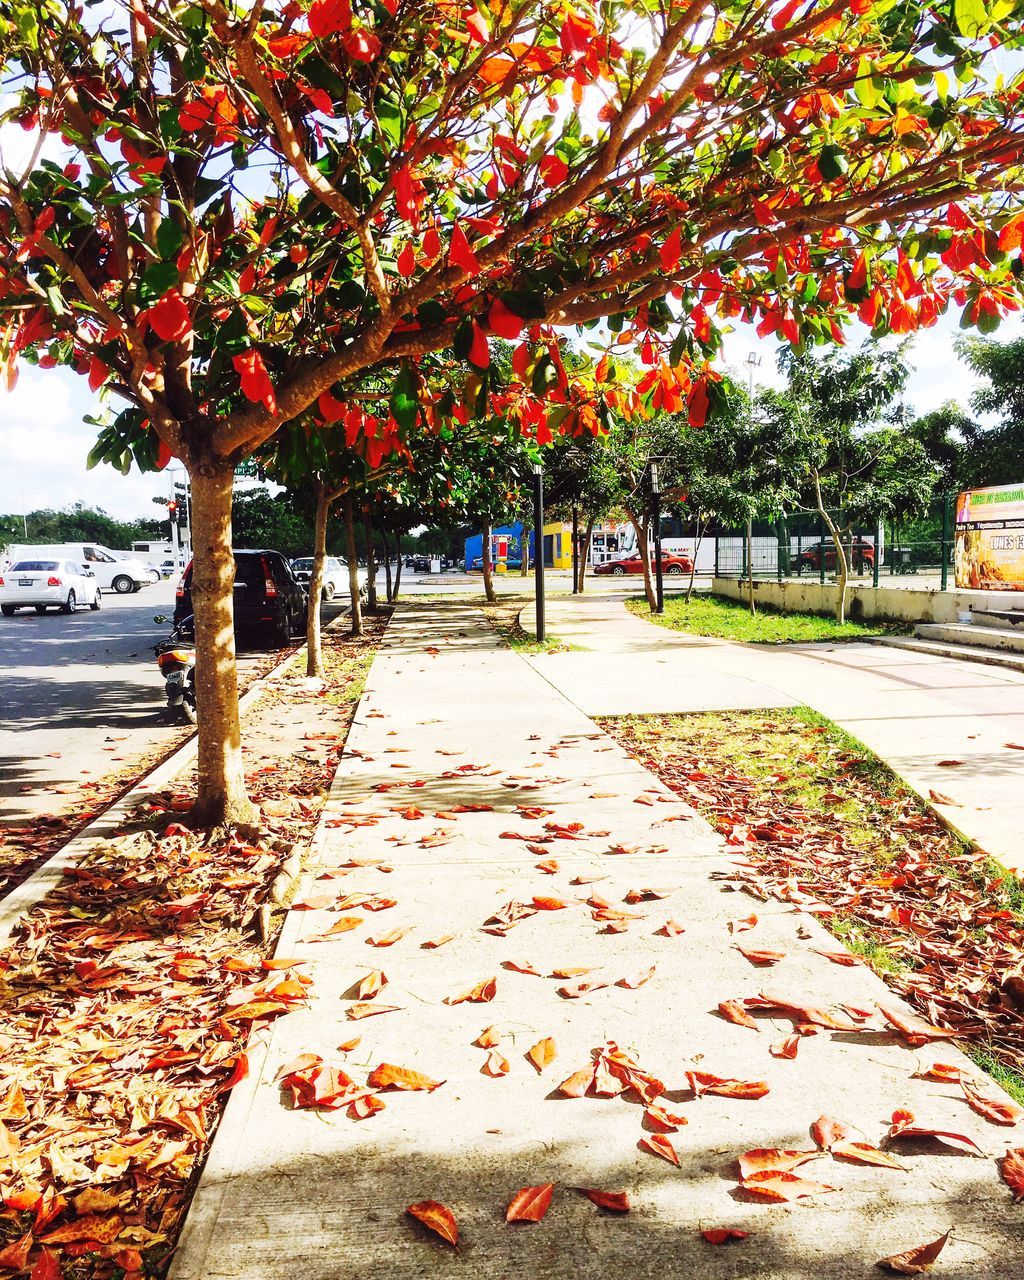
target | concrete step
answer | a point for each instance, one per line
(962, 652)
(1005, 618)
(978, 637)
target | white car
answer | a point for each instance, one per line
(335, 574)
(47, 584)
(151, 569)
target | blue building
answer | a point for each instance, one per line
(506, 546)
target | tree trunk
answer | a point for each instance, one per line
(643, 546)
(524, 551)
(842, 569)
(750, 568)
(221, 796)
(351, 556)
(584, 553)
(314, 651)
(485, 558)
(398, 571)
(371, 561)
(387, 562)
(693, 563)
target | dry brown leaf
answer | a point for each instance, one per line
(1012, 1169)
(387, 1076)
(914, 1262)
(904, 1126)
(374, 982)
(826, 1132)
(437, 1217)
(733, 1011)
(864, 1153)
(772, 1160)
(722, 1235)
(480, 994)
(497, 1064)
(776, 1185)
(542, 1054)
(702, 1082)
(530, 1204)
(998, 1110)
(659, 1145)
(613, 1201)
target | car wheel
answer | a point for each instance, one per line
(282, 632)
(97, 603)
(40, 609)
(328, 591)
(69, 604)
(8, 610)
(675, 568)
(619, 571)
(122, 584)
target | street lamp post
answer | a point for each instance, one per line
(538, 546)
(656, 509)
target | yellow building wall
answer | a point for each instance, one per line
(561, 544)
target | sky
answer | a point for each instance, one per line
(44, 442)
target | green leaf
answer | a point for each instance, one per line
(527, 304)
(832, 163)
(972, 17)
(404, 403)
(156, 280)
(169, 239)
(463, 339)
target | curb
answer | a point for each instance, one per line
(985, 657)
(189, 1261)
(27, 895)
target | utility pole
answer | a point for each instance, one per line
(659, 584)
(538, 546)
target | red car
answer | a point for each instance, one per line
(810, 558)
(670, 563)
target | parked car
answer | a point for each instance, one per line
(269, 603)
(112, 574)
(47, 584)
(516, 563)
(862, 557)
(421, 564)
(152, 570)
(335, 574)
(670, 563)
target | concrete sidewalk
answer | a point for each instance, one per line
(914, 710)
(450, 719)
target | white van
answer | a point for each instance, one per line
(112, 574)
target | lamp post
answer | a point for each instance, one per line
(538, 546)
(659, 584)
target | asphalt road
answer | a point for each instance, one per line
(81, 696)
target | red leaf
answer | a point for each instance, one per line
(787, 1048)
(497, 1064)
(994, 1109)
(903, 1126)
(671, 251)
(328, 17)
(733, 1011)
(772, 1160)
(480, 994)
(914, 1261)
(659, 1145)
(825, 1131)
(576, 1085)
(613, 1201)
(701, 1082)
(1012, 1169)
(460, 254)
(388, 1076)
(553, 171)
(722, 1235)
(406, 262)
(785, 15)
(542, 1054)
(637, 979)
(864, 1153)
(505, 323)
(530, 1204)
(760, 955)
(256, 384)
(169, 317)
(47, 1266)
(669, 1121)
(774, 1185)
(437, 1218)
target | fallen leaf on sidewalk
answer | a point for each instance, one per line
(670, 929)
(846, 958)
(480, 994)
(914, 1030)
(787, 1048)
(904, 1126)
(1012, 1169)
(864, 1153)
(520, 966)
(994, 1109)
(369, 1009)
(388, 1076)
(550, 904)
(663, 1120)
(613, 1201)
(542, 1054)
(760, 956)
(733, 1011)
(701, 1082)
(497, 1064)
(433, 943)
(826, 1132)
(941, 1071)
(938, 797)
(388, 939)
(529, 1204)
(659, 1145)
(637, 979)
(783, 1186)
(772, 1160)
(741, 926)
(576, 1085)
(374, 982)
(437, 1218)
(722, 1235)
(914, 1261)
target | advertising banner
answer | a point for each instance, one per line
(989, 554)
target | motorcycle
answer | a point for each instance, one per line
(176, 658)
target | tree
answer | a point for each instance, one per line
(580, 479)
(840, 424)
(256, 204)
(995, 454)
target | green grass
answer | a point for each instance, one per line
(504, 618)
(858, 940)
(706, 615)
(1006, 1078)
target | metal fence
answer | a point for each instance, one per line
(799, 545)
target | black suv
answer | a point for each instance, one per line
(269, 603)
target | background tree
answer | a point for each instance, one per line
(254, 205)
(995, 453)
(581, 485)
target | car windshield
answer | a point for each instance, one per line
(34, 566)
(302, 564)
